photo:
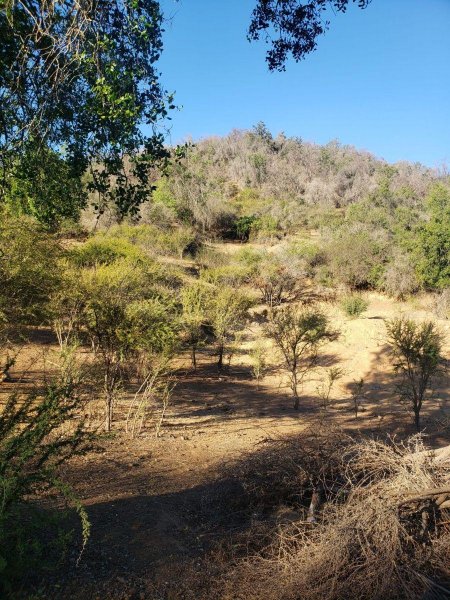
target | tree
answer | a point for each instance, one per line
(121, 324)
(194, 300)
(114, 295)
(44, 185)
(259, 361)
(434, 240)
(299, 333)
(79, 80)
(292, 26)
(227, 312)
(416, 349)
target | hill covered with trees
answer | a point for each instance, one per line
(367, 224)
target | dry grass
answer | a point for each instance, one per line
(369, 541)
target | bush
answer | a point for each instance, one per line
(354, 305)
(227, 275)
(441, 304)
(29, 272)
(357, 256)
(36, 435)
(249, 257)
(172, 241)
(101, 250)
(265, 227)
(400, 278)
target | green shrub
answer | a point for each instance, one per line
(235, 274)
(243, 227)
(265, 227)
(250, 257)
(171, 241)
(102, 250)
(29, 273)
(310, 256)
(357, 256)
(37, 434)
(354, 305)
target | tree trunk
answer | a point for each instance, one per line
(294, 389)
(314, 506)
(109, 410)
(417, 418)
(220, 361)
(194, 358)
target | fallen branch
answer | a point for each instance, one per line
(427, 495)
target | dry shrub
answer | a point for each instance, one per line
(370, 541)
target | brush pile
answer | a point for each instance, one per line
(374, 522)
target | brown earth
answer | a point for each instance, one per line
(159, 504)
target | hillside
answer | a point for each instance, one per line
(216, 384)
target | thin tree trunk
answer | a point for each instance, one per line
(417, 418)
(295, 391)
(220, 361)
(108, 413)
(194, 358)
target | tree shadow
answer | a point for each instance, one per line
(381, 409)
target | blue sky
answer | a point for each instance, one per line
(380, 79)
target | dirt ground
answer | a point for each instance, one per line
(157, 504)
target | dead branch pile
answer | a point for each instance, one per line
(379, 527)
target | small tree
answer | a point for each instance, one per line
(416, 348)
(258, 358)
(227, 313)
(333, 374)
(274, 281)
(299, 333)
(124, 315)
(194, 300)
(357, 394)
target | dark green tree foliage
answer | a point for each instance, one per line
(43, 184)
(434, 240)
(33, 444)
(79, 79)
(293, 26)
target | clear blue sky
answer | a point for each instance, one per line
(380, 78)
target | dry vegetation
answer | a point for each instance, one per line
(180, 352)
(377, 525)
